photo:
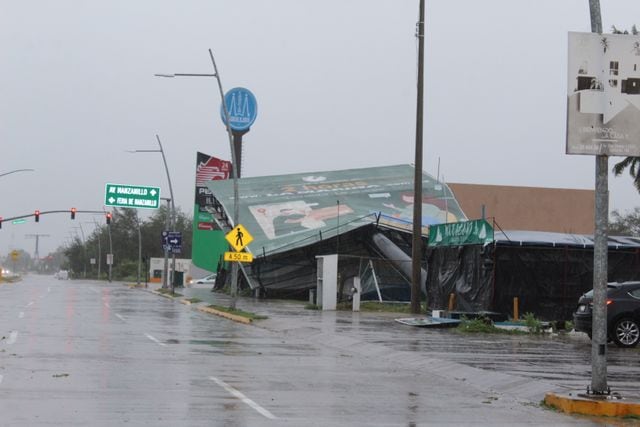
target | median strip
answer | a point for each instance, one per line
(230, 316)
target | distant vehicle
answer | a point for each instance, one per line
(208, 280)
(62, 275)
(623, 313)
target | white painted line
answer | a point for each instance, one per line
(106, 304)
(120, 317)
(49, 289)
(1, 377)
(30, 304)
(244, 398)
(155, 340)
(13, 337)
(21, 314)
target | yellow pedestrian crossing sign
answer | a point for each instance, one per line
(239, 237)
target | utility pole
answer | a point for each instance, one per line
(600, 254)
(36, 254)
(416, 251)
(84, 251)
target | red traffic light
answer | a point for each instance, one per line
(108, 215)
(36, 214)
(73, 213)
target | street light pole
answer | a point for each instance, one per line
(172, 215)
(16, 170)
(234, 162)
(236, 204)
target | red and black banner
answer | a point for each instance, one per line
(208, 168)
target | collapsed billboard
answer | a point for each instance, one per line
(284, 212)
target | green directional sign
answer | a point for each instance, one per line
(132, 196)
(461, 233)
(19, 221)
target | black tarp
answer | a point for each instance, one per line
(546, 273)
(292, 274)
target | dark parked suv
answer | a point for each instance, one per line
(623, 313)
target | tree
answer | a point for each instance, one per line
(124, 237)
(632, 163)
(625, 225)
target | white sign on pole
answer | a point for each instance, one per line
(109, 259)
(603, 94)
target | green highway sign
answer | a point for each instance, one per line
(19, 221)
(132, 196)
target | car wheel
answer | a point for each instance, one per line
(626, 333)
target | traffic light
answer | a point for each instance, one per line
(73, 213)
(108, 218)
(36, 214)
(0, 222)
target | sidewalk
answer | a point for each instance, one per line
(369, 334)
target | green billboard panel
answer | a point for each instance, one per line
(287, 211)
(209, 244)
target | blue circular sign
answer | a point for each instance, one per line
(242, 108)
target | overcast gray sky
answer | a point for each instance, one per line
(335, 83)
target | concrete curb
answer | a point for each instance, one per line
(167, 296)
(577, 403)
(206, 309)
(234, 317)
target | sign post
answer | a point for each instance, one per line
(603, 116)
(172, 241)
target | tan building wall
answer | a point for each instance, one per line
(529, 208)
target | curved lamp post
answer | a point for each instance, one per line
(236, 206)
(171, 216)
(17, 170)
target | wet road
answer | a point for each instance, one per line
(94, 353)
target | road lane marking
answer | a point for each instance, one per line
(106, 304)
(1, 377)
(21, 315)
(120, 317)
(30, 304)
(13, 337)
(236, 393)
(155, 340)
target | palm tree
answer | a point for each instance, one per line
(633, 163)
